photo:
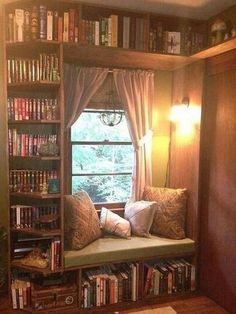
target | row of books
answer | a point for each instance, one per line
(169, 276)
(49, 248)
(30, 180)
(25, 144)
(20, 294)
(34, 217)
(39, 22)
(184, 42)
(111, 284)
(45, 68)
(115, 31)
(20, 108)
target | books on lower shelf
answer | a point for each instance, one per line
(25, 217)
(31, 180)
(21, 294)
(111, 284)
(168, 276)
(48, 247)
(25, 144)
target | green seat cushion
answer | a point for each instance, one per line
(110, 249)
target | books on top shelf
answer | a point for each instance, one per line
(115, 31)
(40, 22)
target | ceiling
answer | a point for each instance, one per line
(198, 9)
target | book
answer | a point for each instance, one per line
(49, 25)
(114, 30)
(71, 25)
(126, 32)
(42, 22)
(34, 23)
(19, 22)
(55, 26)
(66, 27)
(173, 42)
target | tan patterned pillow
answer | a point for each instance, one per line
(140, 215)
(114, 224)
(169, 218)
(81, 221)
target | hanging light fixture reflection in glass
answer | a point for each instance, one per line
(110, 116)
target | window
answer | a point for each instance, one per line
(102, 158)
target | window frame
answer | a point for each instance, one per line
(98, 206)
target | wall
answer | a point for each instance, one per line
(184, 153)
(161, 126)
(218, 183)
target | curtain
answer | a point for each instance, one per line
(136, 91)
(80, 84)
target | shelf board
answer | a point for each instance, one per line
(39, 42)
(91, 55)
(35, 85)
(117, 57)
(41, 233)
(36, 157)
(36, 195)
(18, 264)
(215, 50)
(34, 121)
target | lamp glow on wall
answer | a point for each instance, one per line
(185, 116)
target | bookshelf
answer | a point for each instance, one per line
(34, 88)
(35, 111)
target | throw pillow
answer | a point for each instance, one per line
(140, 215)
(81, 221)
(114, 224)
(169, 218)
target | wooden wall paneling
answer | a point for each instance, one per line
(218, 181)
(184, 150)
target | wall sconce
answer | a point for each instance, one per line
(185, 116)
(180, 112)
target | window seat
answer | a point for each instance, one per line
(111, 249)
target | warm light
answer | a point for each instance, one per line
(183, 113)
(185, 117)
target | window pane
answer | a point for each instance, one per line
(89, 128)
(104, 189)
(102, 158)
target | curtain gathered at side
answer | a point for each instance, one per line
(136, 91)
(80, 84)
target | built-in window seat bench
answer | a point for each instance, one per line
(111, 249)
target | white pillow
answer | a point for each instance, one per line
(114, 224)
(140, 215)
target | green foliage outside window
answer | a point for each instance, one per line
(102, 161)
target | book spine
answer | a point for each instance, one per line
(66, 27)
(71, 25)
(49, 25)
(55, 25)
(19, 20)
(42, 22)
